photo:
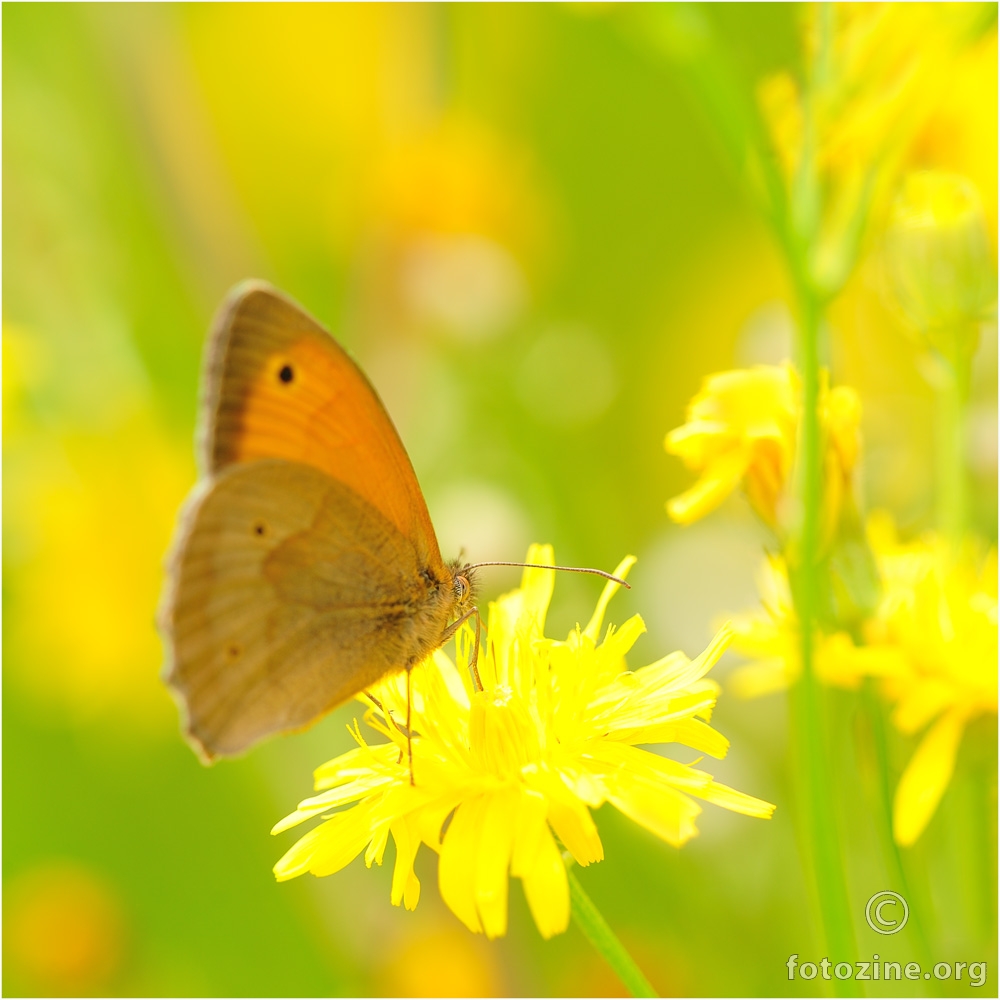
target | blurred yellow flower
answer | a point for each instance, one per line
(932, 644)
(840, 418)
(88, 515)
(454, 215)
(769, 639)
(960, 134)
(500, 773)
(742, 428)
(437, 958)
(454, 177)
(881, 68)
(939, 615)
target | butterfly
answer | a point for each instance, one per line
(305, 565)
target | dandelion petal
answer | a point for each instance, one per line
(547, 888)
(459, 856)
(925, 778)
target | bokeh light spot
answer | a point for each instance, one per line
(63, 931)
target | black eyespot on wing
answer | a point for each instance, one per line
(260, 529)
(286, 374)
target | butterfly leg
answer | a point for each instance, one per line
(391, 721)
(475, 651)
(454, 627)
(409, 709)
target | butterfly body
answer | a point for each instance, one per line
(305, 566)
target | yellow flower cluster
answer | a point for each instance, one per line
(938, 616)
(886, 64)
(505, 777)
(742, 429)
(932, 644)
(883, 66)
(769, 639)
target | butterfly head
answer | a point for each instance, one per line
(465, 585)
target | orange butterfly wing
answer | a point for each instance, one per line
(279, 386)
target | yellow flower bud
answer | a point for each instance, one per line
(938, 259)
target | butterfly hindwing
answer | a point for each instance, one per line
(289, 593)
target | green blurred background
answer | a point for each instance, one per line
(527, 232)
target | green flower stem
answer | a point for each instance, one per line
(816, 786)
(596, 930)
(816, 789)
(883, 805)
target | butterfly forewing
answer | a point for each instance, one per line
(279, 386)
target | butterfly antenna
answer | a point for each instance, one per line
(562, 569)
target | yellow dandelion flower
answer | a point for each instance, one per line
(500, 773)
(741, 429)
(940, 615)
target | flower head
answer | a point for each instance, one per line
(500, 773)
(742, 429)
(769, 639)
(939, 616)
(931, 644)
